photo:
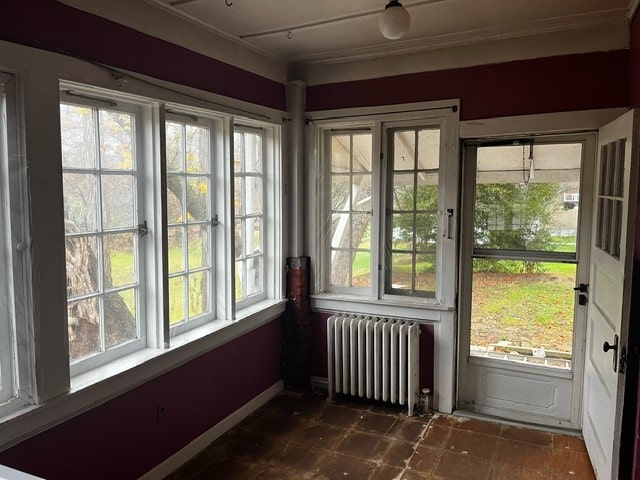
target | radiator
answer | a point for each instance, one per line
(375, 358)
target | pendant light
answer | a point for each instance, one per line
(394, 21)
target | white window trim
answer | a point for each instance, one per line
(13, 180)
(379, 119)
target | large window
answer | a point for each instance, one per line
(103, 227)
(151, 251)
(389, 197)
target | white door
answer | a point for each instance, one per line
(609, 295)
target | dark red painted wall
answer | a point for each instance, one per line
(51, 25)
(553, 84)
(319, 350)
(122, 439)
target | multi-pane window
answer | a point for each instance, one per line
(189, 220)
(103, 228)
(412, 211)
(610, 197)
(249, 208)
(351, 209)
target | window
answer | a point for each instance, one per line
(387, 227)
(143, 265)
(16, 380)
(413, 211)
(351, 209)
(103, 228)
(190, 220)
(249, 205)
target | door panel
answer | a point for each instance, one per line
(608, 312)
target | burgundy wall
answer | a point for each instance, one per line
(122, 439)
(54, 26)
(319, 350)
(553, 84)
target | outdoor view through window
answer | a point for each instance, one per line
(526, 200)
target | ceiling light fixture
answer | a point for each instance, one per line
(394, 21)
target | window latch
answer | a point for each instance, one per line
(143, 229)
(214, 221)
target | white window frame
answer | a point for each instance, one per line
(136, 110)
(437, 114)
(272, 242)
(178, 114)
(16, 328)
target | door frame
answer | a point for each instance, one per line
(588, 139)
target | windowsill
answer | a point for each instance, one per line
(104, 383)
(419, 309)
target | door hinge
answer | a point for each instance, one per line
(622, 364)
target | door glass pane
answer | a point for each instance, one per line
(527, 197)
(523, 311)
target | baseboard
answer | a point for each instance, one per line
(200, 443)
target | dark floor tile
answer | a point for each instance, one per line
(385, 472)
(230, 469)
(478, 426)
(523, 454)
(376, 422)
(441, 420)
(319, 435)
(398, 454)
(527, 435)
(339, 416)
(277, 424)
(254, 447)
(424, 460)
(281, 473)
(364, 445)
(454, 466)
(436, 436)
(299, 457)
(413, 475)
(338, 466)
(511, 472)
(408, 430)
(572, 463)
(470, 443)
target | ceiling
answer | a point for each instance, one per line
(315, 30)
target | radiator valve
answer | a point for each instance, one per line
(424, 399)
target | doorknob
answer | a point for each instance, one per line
(582, 288)
(606, 346)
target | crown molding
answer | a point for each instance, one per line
(535, 27)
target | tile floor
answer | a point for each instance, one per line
(296, 437)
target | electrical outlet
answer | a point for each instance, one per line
(161, 414)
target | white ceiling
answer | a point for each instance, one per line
(307, 30)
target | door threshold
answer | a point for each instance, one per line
(503, 421)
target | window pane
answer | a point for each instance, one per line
(361, 269)
(240, 290)
(402, 271)
(404, 146)
(254, 241)
(523, 311)
(84, 328)
(340, 262)
(78, 136)
(361, 192)
(79, 202)
(341, 153)
(360, 231)
(175, 199)
(402, 231)
(254, 276)
(116, 140)
(403, 192)
(176, 249)
(239, 206)
(428, 149)
(175, 147)
(119, 252)
(120, 317)
(197, 198)
(82, 265)
(527, 197)
(254, 195)
(362, 149)
(239, 239)
(198, 246)
(198, 294)
(238, 152)
(176, 300)
(341, 231)
(118, 201)
(340, 190)
(426, 273)
(253, 153)
(197, 149)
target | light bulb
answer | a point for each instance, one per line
(394, 21)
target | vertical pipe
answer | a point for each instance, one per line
(296, 99)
